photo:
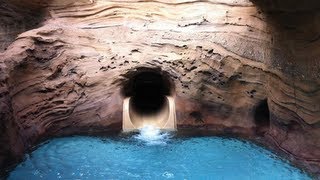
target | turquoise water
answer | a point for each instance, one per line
(153, 156)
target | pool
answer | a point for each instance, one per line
(153, 155)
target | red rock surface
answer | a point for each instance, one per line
(64, 74)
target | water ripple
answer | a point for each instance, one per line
(153, 154)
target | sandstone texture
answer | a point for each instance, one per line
(248, 68)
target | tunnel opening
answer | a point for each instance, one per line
(148, 100)
(149, 91)
(262, 117)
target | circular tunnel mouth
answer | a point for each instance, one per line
(148, 91)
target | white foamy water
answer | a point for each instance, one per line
(152, 135)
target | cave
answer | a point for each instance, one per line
(262, 117)
(248, 69)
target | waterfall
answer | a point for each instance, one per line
(152, 135)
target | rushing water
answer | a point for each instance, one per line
(153, 136)
(153, 154)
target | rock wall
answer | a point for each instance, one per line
(227, 60)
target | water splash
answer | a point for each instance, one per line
(152, 135)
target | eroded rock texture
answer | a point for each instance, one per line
(239, 67)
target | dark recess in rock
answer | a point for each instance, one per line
(262, 117)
